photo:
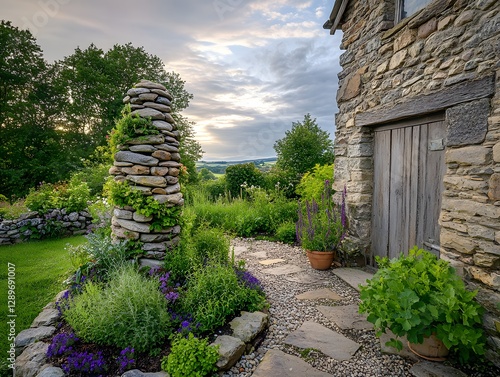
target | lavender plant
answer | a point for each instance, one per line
(322, 226)
(85, 363)
(126, 359)
(61, 344)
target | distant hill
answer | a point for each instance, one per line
(219, 167)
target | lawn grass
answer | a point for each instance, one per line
(41, 268)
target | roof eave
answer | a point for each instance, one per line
(333, 23)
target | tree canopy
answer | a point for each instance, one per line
(304, 146)
(54, 116)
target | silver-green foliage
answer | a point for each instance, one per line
(129, 312)
(214, 293)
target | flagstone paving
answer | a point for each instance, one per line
(316, 336)
(346, 317)
(271, 261)
(353, 276)
(279, 364)
(315, 329)
(317, 294)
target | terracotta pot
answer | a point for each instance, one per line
(431, 349)
(320, 260)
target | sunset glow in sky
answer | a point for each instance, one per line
(253, 66)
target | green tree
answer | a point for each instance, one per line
(31, 146)
(241, 175)
(206, 175)
(304, 146)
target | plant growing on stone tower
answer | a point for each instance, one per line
(130, 127)
(122, 194)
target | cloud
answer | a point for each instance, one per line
(254, 67)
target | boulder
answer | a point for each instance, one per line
(31, 360)
(31, 335)
(51, 372)
(230, 351)
(47, 317)
(249, 325)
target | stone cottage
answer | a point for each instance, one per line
(418, 134)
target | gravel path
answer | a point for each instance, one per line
(288, 314)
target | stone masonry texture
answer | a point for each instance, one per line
(150, 164)
(449, 42)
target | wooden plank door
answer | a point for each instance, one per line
(408, 183)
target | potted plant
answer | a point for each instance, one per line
(421, 297)
(321, 227)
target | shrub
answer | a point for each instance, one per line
(41, 199)
(130, 311)
(241, 175)
(73, 196)
(312, 183)
(191, 357)
(213, 293)
(12, 211)
(286, 232)
(211, 246)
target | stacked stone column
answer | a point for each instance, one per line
(152, 165)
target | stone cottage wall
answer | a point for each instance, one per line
(151, 164)
(446, 45)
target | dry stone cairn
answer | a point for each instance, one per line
(151, 164)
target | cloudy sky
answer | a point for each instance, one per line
(254, 66)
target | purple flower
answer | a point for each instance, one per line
(172, 296)
(126, 359)
(248, 279)
(61, 344)
(84, 362)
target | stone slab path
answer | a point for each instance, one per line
(316, 336)
(353, 276)
(314, 325)
(279, 364)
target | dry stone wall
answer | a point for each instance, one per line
(34, 225)
(448, 44)
(150, 164)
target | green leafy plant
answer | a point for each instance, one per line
(312, 183)
(238, 176)
(286, 232)
(130, 127)
(191, 357)
(122, 194)
(418, 295)
(214, 293)
(211, 246)
(129, 311)
(322, 226)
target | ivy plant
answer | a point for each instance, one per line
(122, 194)
(418, 295)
